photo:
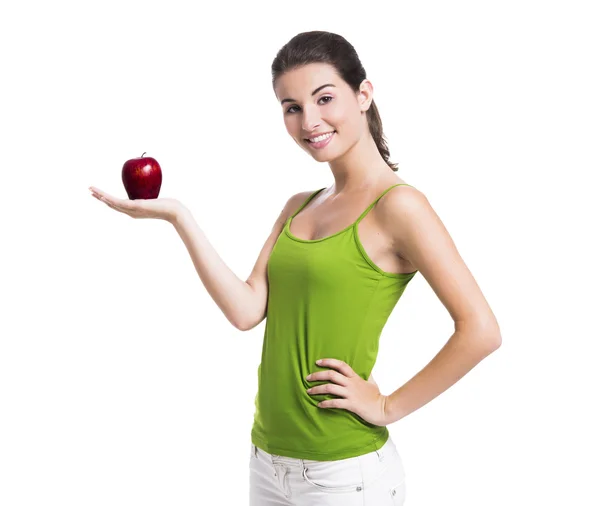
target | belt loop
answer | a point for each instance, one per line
(379, 454)
(255, 450)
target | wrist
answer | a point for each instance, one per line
(391, 409)
(178, 215)
(386, 410)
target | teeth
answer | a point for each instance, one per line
(321, 137)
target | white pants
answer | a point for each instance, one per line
(372, 479)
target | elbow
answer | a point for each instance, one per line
(494, 343)
(492, 336)
(246, 325)
(253, 320)
(497, 340)
(486, 336)
(239, 324)
(246, 320)
(243, 326)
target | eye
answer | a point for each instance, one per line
(327, 96)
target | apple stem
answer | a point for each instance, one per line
(143, 154)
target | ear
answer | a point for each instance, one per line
(365, 95)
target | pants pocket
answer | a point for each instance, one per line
(334, 476)
(398, 493)
(384, 481)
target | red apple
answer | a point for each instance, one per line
(142, 177)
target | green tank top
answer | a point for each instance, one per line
(327, 299)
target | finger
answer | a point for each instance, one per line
(98, 191)
(124, 206)
(99, 195)
(107, 196)
(329, 375)
(340, 365)
(109, 203)
(102, 199)
(328, 388)
(336, 403)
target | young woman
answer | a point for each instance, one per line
(327, 278)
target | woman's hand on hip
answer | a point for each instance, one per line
(356, 394)
(162, 209)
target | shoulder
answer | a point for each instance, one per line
(418, 234)
(402, 199)
(293, 203)
(399, 203)
(405, 213)
(296, 200)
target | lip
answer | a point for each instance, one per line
(317, 135)
(322, 144)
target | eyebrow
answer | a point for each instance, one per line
(316, 91)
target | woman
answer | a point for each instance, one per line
(327, 278)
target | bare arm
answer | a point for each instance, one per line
(258, 280)
(242, 302)
(420, 237)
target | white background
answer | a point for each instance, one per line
(122, 383)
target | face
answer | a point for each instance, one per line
(309, 107)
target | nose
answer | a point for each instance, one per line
(310, 120)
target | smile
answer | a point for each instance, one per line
(322, 141)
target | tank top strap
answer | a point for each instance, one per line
(377, 200)
(310, 197)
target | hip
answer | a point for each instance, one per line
(376, 478)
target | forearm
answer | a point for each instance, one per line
(460, 354)
(233, 296)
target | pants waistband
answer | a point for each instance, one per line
(386, 450)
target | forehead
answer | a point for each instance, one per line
(303, 80)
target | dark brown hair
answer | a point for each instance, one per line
(331, 48)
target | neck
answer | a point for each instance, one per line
(360, 168)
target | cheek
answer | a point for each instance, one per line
(292, 129)
(338, 117)
(351, 123)
(290, 125)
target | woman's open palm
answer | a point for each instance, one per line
(162, 209)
